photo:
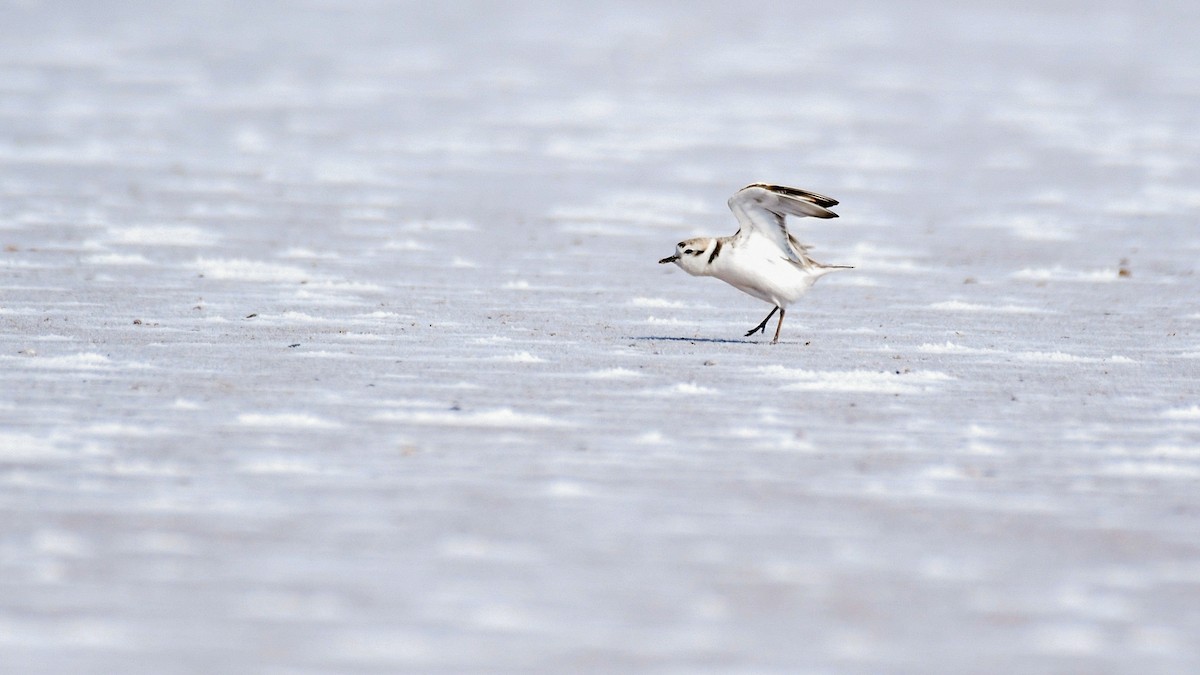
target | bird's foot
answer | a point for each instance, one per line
(760, 328)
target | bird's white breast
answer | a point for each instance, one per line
(759, 268)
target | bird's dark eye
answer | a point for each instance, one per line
(689, 251)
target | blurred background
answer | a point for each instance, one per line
(333, 339)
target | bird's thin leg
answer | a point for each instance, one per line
(779, 325)
(763, 326)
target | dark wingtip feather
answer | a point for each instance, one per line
(818, 199)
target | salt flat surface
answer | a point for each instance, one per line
(334, 339)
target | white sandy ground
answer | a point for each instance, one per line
(333, 339)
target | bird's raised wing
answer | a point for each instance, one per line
(761, 210)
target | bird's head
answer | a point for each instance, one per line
(691, 254)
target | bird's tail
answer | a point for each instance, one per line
(822, 269)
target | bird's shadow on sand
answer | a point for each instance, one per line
(667, 338)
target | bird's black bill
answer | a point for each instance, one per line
(668, 259)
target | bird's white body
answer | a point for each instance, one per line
(762, 259)
(755, 267)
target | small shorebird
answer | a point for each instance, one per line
(762, 258)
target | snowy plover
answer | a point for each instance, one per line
(762, 258)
